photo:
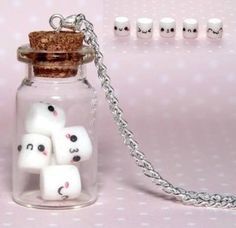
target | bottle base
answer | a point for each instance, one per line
(33, 200)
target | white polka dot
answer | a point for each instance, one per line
(2, 20)
(120, 198)
(120, 189)
(76, 219)
(2, 52)
(120, 208)
(142, 203)
(199, 170)
(121, 219)
(99, 214)
(30, 219)
(188, 213)
(191, 224)
(179, 174)
(98, 224)
(54, 213)
(202, 179)
(16, 3)
(145, 224)
(99, 203)
(167, 218)
(18, 36)
(165, 208)
(213, 218)
(143, 213)
(6, 224)
(8, 213)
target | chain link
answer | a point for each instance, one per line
(200, 199)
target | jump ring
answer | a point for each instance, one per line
(53, 25)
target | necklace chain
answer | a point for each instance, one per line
(201, 199)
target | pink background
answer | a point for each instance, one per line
(178, 95)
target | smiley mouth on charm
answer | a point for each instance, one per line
(74, 150)
(144, 32)
(59, 190)
(218, 32)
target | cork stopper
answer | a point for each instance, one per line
(56, 53)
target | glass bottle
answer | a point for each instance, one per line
(55, 149)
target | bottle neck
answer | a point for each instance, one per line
(54, 78)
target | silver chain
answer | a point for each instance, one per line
(202, 199)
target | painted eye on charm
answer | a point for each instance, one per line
(162, 29)
(139, 30)
(76, 158)
(19, 148)
(184, 29)
(41, 148)
(172, 30)
(51, 108)
(150, 30)
(195, 30)
(126, 28)
(73, 138)
(115, 28)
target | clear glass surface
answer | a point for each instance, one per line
(78, 99)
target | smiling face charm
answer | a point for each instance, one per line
(34, 153)
(215, 28)
(167, 27)
(60, 182)
(71, 145)
(144, 28)
(190, 28)
(43, 118)
(121, 26)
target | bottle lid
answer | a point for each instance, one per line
(55, 54)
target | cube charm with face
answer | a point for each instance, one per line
(34, 152)
(190, 28)
(215, 28)
(167, 27)
(43, 118)
(122, 26)
(60, 182)
(71, 145)
(144, 28)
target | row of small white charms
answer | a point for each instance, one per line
(167, 27)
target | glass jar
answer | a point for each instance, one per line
(55, 149)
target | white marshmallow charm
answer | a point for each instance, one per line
(71, 145)
(60, 182)
(43, 118)
(144, 28)
(215, 28)
(167, 27)
(122, 26)
(34, 152)
(190, 28)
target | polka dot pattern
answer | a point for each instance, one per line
(178, 95)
